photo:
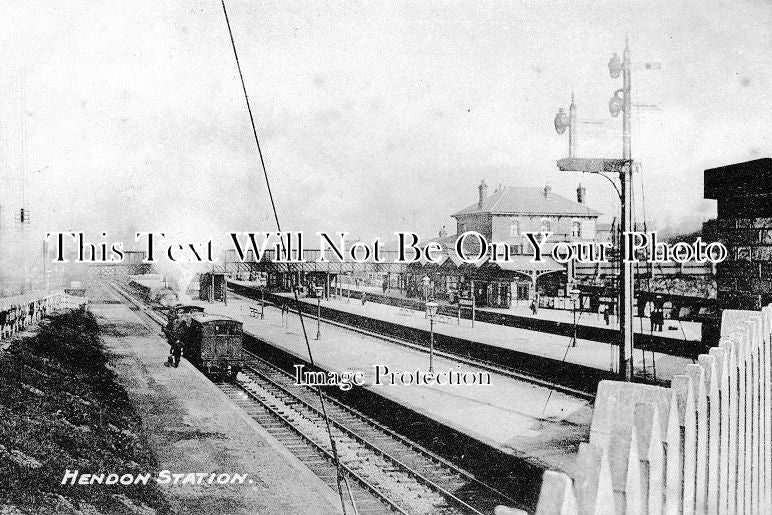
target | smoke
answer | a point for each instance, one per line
(688, 223)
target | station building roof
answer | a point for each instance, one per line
(526, 263)
(205, 318)
(516, 200)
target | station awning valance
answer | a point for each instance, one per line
(526, 264)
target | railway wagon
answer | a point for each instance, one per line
(179, 316)
(214, 343)
(154, 291)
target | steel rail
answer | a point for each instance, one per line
(511, 372)
(367, 443)
(317, 447)
(320, 448)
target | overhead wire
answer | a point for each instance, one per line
(341, 477)
(668, 290)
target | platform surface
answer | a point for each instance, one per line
(535, 423)
(684, 330)
(590, 353)
(194, 427)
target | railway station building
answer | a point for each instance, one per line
(504, 216)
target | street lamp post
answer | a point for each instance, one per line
(318, 290)
(574, 297)
(431, 310)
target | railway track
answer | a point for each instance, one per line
(491, 366)
(435, 485)
(387, 472)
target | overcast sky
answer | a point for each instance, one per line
(373, 117)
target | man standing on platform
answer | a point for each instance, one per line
(176, 352)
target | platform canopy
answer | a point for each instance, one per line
(526, 264)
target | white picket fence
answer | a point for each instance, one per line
(22, 310)
(704, 445)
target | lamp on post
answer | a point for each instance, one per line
(574, 297)
(431, 311)
(318, 290)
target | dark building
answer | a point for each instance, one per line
(744, 226)
(212, 286)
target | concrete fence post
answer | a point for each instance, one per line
(722, 383)
(557, 495)
(652, 456)
(766, 371)
(708, 364)
(697, 374)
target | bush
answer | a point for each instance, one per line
(62, 408)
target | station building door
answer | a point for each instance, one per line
(480, 293)
(499, 295)
(523, 290)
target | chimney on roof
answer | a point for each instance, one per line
(580, 193)
(483, 193)
(547, 191)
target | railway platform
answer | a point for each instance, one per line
(678, 337)
(591, 354)
(535, 423)
(193, 427)
(672, 329)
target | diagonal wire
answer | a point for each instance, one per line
(572, 342)
(340, 475)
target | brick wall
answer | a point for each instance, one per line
(744, 280)
(744, 225)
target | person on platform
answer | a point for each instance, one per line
(658, 315)
(385, 284)
(176, 352)
(364, 298)
(534, 307)
(606, 313)
(3, 319)
(658, 319)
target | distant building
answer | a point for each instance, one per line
(504, 217)
(511, 211)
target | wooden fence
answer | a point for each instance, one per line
(704, 445)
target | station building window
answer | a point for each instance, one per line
(546, 225)
(514, 228)
(576, 229)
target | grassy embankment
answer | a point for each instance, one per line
(61, 408)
